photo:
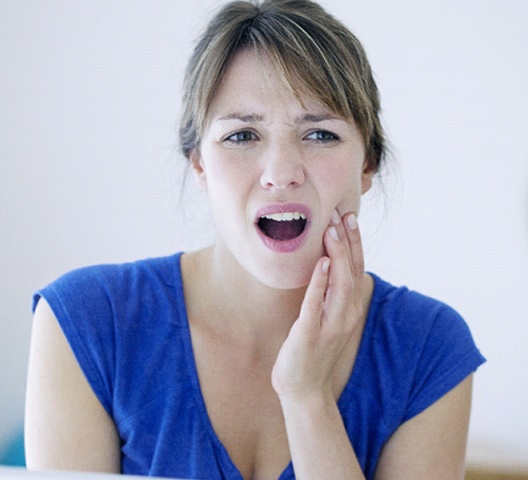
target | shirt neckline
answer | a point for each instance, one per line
(228, 466)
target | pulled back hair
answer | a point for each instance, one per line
(313, 53)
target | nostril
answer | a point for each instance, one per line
(283, 176)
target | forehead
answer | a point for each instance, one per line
(251, 83)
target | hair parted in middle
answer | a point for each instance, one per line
(314, 54)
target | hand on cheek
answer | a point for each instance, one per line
(342, 243)
(329, 313)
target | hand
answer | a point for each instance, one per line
(307, 360)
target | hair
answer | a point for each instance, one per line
(313, 53)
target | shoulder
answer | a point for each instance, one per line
(423, 345)
(104, 305)
(106, 311)
(94, 286)
(400, 310)
(415, 326)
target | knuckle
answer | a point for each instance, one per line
(347, 288)
(340, 331)
(359, 271)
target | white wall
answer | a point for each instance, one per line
(89, 171)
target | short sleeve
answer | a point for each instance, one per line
(83, 309)
(448, 355)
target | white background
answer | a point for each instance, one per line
(90, 171)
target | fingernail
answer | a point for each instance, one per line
(333, 233)
(326, 265)
(352, 222)
(335, 218)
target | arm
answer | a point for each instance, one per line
(304, 372)
(319, 445)
(430, 445)
(66, 428)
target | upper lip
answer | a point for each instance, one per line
(283, 208)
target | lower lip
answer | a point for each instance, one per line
(284, 246)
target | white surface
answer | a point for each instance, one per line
(497, 457)
(15, 473)
(89, 94)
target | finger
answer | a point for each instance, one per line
(337, 222)
(312, 306)
(340, 280)
(356, 246)
(339, 311)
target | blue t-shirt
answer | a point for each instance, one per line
(128, 327)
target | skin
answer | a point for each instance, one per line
(275, 335)
(282, 160)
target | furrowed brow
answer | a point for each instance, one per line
(316, 117)
(247, 118)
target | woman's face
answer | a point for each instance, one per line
(275, 170)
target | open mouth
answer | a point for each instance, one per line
(282, 226)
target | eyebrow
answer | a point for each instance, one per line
(304, 118)
(247, 118)
(316, 117)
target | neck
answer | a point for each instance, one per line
(250, 306)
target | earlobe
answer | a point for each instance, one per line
(195, 159)
(367, 177)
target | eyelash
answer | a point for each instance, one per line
(235, 139)
(323, 137)
(328, 137)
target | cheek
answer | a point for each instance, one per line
(229, 187)
(220, 177)
(344, 187)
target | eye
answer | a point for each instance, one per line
(322, 136)
(244, 136)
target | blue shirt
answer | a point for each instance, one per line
(128, 328)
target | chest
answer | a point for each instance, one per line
(242, 406)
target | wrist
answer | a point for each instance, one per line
(319, 444)
(312, 405)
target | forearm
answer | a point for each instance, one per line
(319, 445)
(317, 352)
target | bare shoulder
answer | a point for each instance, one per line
(431, 445)
(66, 427)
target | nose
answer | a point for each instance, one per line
(283, 168)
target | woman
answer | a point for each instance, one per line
(271, 353)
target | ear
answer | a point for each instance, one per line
(197, 167)
(367, 176)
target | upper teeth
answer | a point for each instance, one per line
(285, 216)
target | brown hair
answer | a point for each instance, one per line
(313, 52)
